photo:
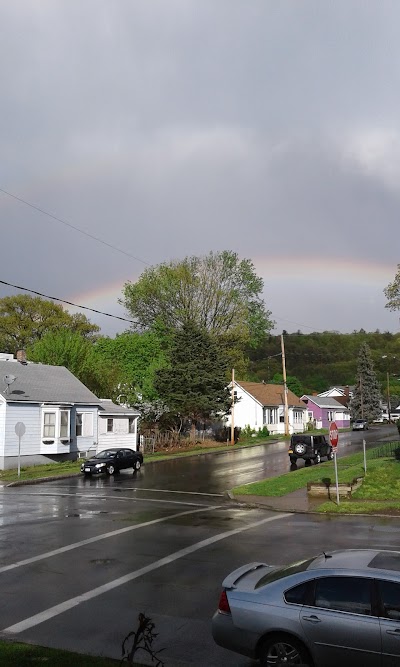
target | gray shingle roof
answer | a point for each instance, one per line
(324, 402)
(107, 407)
(38, 383)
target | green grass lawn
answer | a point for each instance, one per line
(26, 655)
(297, 479)
(378, 494)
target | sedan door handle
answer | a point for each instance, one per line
(312, 619)
(394, 632)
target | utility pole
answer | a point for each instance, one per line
(389, 407)
(233, 409)
(285, 387)
(361, 398)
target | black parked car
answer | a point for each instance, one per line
(111, 461)
(310, 448)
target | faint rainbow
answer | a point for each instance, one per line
(279, 271)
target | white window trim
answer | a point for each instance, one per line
(57, 426)
(87, 424)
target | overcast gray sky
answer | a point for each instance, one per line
(173, 127)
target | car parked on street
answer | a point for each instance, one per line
(339, 608)
(111, 461)
(310, 448)
(360, 425)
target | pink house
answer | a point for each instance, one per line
(322, 410)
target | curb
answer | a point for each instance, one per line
(271, 508)
(41, 480)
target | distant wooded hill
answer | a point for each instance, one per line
(320, 360)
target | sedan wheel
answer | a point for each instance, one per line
(110, 469)
(283, 652)
(137, 465)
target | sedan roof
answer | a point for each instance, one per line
(358, 559)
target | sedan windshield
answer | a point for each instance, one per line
(106, 454)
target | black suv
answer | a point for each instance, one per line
(310, 448)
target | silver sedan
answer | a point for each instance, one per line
(340, 608)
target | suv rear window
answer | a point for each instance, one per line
(301, 438)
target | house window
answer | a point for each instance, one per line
(331, 415)
(270, 415)
(49, 424)
(132, 421)
(110, 425)
(84, 424)
(297, 416)
(64, 424)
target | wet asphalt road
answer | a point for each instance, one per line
(79, 559)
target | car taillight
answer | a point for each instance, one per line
(223, 605)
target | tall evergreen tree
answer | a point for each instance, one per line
(195, 384)
(366, 401)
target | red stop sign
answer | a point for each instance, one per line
(333, 434)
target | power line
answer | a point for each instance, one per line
(69, 224)
(55, 298)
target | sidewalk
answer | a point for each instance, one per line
(296, 501)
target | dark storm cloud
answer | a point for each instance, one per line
(172, 128)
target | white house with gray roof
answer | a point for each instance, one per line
(63, 419)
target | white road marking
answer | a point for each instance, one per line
(97, 538)
(90, 595)
(107, 497)
(190, 493)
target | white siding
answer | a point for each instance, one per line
(2, 426)
(247, 412)
(30, 415)
(120, 436)
(88, 439)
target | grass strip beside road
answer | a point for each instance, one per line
(353, 507)
(382, 484)
(378, 494)
(16, 654)
(298, 479)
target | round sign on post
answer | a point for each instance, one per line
(333, 435)
(19, 431)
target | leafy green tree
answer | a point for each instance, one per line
(292, 382)
(392, 292)
(137, 357)
(195, 384)
(75, 352)
(366, 401)
(26, 319)
(219, 293)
